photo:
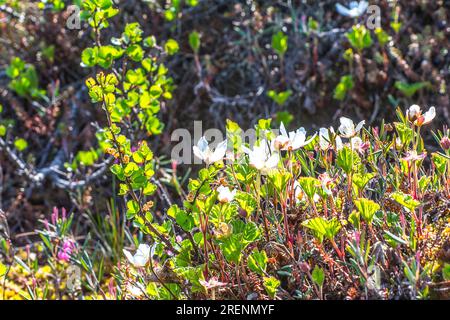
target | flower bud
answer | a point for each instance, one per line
(413, 112)
(445, 143)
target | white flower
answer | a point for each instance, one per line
(326, 181)
(261, 158)
(225, 195)
(141, 256)
(347, 128)
(356, 143)
(202, 151)
(325, 140)
(292, 141)
(354, 10)
(414, 114)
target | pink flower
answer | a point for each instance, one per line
(66, 250)
(63, 256)
(413, 156)
(211, 283)
(54, 216)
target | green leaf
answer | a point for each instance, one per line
(171, 46)
(279, 98)
(285, 117)
(382, 36)
(405, 200)
(183, 219)
(246, 202)
(309, 186)
(133, 32)
(345, 84)
(393, 239)
(130, 169)
(367, 208)
(20, 144)
(150, 42)
(323, 228)
(438, 160)
(280, 179)
(410, 89)
(271, 285)
(359, 37)
(232, 248)
(318, 276)
(354, 219)
(117, 170)
(361, 179)
(347, 159)
(132, 209)
(280, 43)
(405, 133)
(135, 52)
(194, 41)
(251, 233)
(89, 57)
(257, 262)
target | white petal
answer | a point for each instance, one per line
(360, 125)
(272, 162)
(299, 138)
(199, 154)
(339, 144)
(283, 129)
(258, 163)
(346, 122)
(413, 111)
(202, 144)
(144, 249)
(324, 138)
(429, 115)
(129, 256)
(363, 5)
(347, 127)
(265, 147)
(301, 130)
(342, 10)
(220, 151)
(246, 150)
(257, 159)
(353, 4)
(142, 255)
(140, 260)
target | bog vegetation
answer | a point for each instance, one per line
(353, 205)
